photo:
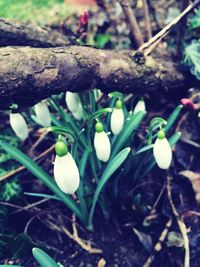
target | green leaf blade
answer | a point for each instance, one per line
(112, 166)
(43, 258)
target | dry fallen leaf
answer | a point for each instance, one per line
(194, 178)
(101, 263)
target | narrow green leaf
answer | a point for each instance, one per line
(41, 195)
(111, 167)
(80, 191)
(172, 118)
(43, 258)
(156, 123)
(97, 114)
(62, 130)
(42, 175)
(68, 120)
(128, 129)
(116, 94)
(145, 148)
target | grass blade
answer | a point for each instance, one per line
(112, 166)
(43, 258)
(172, 118)
(130, 126)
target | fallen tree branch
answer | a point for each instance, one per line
(28, 75)
(19, 33)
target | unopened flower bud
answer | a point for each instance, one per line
(42, 114)
(19, 125)
(140, 106)
(101, 143)
(117, 118)
(162, 151)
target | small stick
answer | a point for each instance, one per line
(147, 19)
(21, 168)
(158, 245)
(180, 222)
(159, 36)
(134, 27)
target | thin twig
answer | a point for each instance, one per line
(157, 201)
(32, 205)
(21, 168)
(180, 222)
(74, 236)
(147, 20)
(134, 27)
(159, 36)
(158, 245)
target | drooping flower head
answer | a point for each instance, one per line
(101, 143)
(117, 118)
(162, 151)
(19, 126)
(66, 172)
(73, 103)
(42, 114)
(140, 106)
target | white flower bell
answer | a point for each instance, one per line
(79, 113)
(101, 143)
(74, 105)
(117, 118)
(162, 151)
(140, 106)
(66, 172)
(42, 114)
(72, 101)
(19, 125)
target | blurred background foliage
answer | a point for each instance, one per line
(39, 11)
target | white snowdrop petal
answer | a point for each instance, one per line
(66, 174)
(102, 146)
(162, 153)
(140, 106)
(79, 113)
(43, 114)
(19, 125)
(72, 101)
(117, 121)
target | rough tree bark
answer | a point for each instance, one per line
(19, 33)
(28, 75)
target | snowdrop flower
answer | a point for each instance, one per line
(117, 118)
(78, 114)
(74, 105)
(66, 172)
(162, 151)
(19, 125)
(42, 114)
(101, 143)
(72, 101)
(140, 106)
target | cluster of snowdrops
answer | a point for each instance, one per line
(66, 171)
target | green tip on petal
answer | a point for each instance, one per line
(99, 127)
(61, 148)
(161, 135)
(119, 104)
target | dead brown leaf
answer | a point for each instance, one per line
(194, 178)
